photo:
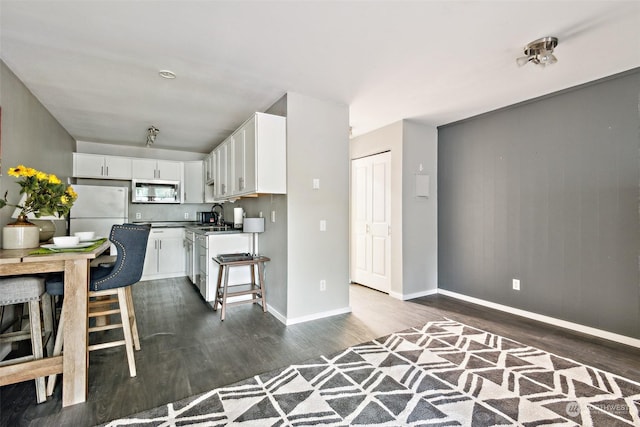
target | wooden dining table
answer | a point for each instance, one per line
(74, 362)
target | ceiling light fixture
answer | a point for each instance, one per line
(152, 132)
(540, 52)
(166, 74)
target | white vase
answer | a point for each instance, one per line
(20, 235)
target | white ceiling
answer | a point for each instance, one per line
(94, 64)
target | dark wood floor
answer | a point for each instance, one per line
(186, 349)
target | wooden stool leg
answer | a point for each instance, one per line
(126, 328)
(47, 320)
(252, 267)
(132, 318)
(224, 291)
(218, 284)
(57, 351)
(36, 345)
(262, 288)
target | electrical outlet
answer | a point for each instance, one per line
(323, 225)
(138, 215)
(273, 216)
(516, 284)
(186, 215)
(316, 184)
(323, 285)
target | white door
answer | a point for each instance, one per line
(370, 221)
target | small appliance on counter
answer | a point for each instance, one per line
(207, 217)
(238, 217)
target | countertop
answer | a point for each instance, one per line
(193, 226)
(167, 224)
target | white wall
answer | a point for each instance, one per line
(317, 147)
(419, 214)
(388, 138)
(414, 244)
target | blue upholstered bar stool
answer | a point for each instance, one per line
(110, 292)
(28, 289)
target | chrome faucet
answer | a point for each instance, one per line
(218, 218)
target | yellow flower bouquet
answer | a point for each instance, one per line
(45, 193)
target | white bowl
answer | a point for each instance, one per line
(85, 235)
(66, 241)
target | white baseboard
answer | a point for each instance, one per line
(611, 336)
(315, 316)
(405, 297)
(275, 313)
(162, 276)
(283, 319)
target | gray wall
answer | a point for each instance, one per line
(547, 192)
(30, 136)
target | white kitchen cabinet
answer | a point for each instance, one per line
(221, 190)
(101, 166)
(212, 245)
(265, 154)
(209, 168)
(193, 184)
(253, 159)
(167, 170)
(190, 255)
(165, 256)
(209, 177)
(243, 154)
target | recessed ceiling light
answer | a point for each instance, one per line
(166, 74)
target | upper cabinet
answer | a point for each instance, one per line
(100, 166)
(193, 184)
(221, 188)
(209, 169)
(157, 169)
(253, 159)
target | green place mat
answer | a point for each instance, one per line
(47, 251)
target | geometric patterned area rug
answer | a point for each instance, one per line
(442, 374)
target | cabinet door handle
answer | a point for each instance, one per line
(160, 241)
(241, 183)
(367, 229)
(107, 170)
(101, 170)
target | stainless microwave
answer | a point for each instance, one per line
(155, 191)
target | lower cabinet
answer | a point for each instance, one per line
(213, 245)
(165, 255)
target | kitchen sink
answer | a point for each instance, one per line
(214, 228)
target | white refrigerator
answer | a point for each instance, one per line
(98, 208)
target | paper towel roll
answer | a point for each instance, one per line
(238, 217)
